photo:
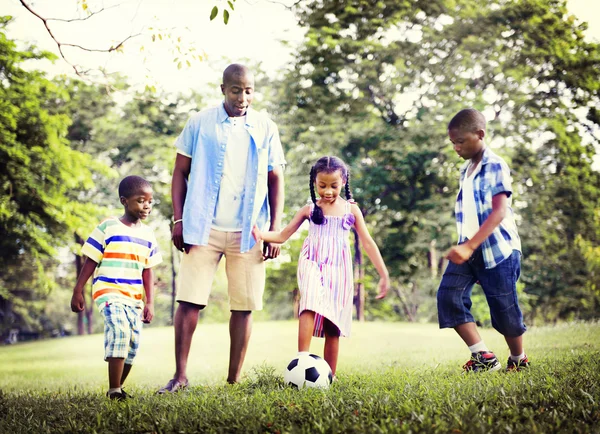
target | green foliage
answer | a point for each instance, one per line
(411, 382)
(377, 83)
(39, 172)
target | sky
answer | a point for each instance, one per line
(254, 32)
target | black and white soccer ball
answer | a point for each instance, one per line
(308, 370)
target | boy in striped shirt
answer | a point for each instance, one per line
(120, 253)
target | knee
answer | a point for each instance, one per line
(508, 324)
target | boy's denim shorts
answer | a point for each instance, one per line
(499, 286)
(122, 326)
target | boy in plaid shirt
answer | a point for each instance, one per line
(488, 250)
(120, 253)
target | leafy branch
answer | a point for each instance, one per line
(118, 47)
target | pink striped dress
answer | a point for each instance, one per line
(325, 278)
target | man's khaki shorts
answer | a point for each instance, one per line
(245, 272)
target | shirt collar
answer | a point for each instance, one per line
(484, 160)
(251, 115)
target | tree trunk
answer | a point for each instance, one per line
(433, 259)
(173, 284)
(405, 304)
(359, 274)
(78, 266)
(296, 300)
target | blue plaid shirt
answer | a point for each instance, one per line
(493, 178)
(204, 140)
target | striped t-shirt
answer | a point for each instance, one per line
(122, 253)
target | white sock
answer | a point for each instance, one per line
(303, 353)
(517, 358)
(116, 389)
(479, 346)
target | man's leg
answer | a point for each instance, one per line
(186, 319)
(240, 328)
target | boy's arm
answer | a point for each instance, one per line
(283, 235)
(276, 199)
(372, 251)
(77, 300)
(461, 253)
(148, 280)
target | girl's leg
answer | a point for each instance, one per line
(332, 345)
(115, 371)
(306, 325)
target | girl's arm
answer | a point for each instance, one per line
(372, 251)
(282, 236)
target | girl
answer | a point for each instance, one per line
(325, 277)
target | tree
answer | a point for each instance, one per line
(38, 169)
(524, 63)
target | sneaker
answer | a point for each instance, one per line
(482, 361)
(117, 396)
(173, 386)
(126, 395)
(512, 366)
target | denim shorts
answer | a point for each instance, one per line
(499, 286)
(122, 326)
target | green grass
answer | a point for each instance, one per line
(392, 378)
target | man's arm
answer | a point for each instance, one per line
(181, 173)
(276, 199)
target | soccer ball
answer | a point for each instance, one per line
(308, 370)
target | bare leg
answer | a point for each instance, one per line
(115, 371)
(186, 320)
(126, 370)
(332, 345)
(306, 325)
(515, 345)
(468, 332)
(240, 328)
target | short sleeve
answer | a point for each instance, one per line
(95, 244)
(155, 256)
(186, 141)
(276, 156)
(500, 179)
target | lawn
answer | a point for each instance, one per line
(393, 377)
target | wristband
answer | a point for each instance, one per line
(177, 221)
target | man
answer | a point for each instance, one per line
(228, 176)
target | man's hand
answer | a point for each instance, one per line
(177, 236)
(148, 313)
(77, 302)
(459, 254)
(271, 250)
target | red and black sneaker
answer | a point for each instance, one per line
(482, 361)
(512, 366)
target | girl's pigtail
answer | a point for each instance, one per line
(348, 192)
(317, 214)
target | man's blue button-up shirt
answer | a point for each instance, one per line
(204, 139)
